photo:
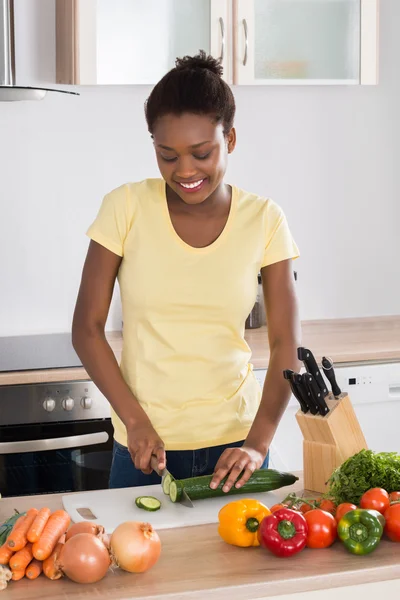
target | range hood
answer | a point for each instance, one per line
(9, 91)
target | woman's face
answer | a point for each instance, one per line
(192, 154)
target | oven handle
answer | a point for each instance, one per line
(73, 441)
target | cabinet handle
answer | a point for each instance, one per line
(246, 41)
(222, 26)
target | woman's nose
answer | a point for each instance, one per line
(185, 168)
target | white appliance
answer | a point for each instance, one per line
(374, 390)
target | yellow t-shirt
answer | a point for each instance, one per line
(184, 310)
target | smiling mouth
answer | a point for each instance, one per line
(192, 187)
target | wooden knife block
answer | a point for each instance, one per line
(329, 441)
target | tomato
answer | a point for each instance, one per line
(276, 507)
(375, 499)
(392, 525)
(342, 509)
(394, 497)
(303, 508)
(328, 505)
(321, 528)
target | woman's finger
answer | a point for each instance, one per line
(248, 472)
(226, 461)
(234, 473)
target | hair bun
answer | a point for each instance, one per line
(200, 61)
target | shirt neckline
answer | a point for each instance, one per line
(220, 239)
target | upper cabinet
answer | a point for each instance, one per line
(259, 41)
(305, 41)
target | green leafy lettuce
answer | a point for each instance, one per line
(364, 470)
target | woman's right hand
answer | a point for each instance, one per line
(143, 443)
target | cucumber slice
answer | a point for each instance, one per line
(175, 491)
(166, 483)
(148, 503)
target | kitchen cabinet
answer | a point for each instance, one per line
(260, 42)
(135, 42)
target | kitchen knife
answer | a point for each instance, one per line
(327, 367)
(305, 394)
(316, 394)
(185, 500)
(310, 363)
(288, 375)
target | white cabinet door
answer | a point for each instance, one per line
(136, 42)
(305, 41)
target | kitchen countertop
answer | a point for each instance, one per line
(196, 564)
(344, 340)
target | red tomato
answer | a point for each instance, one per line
(392, 525)
(276, 507)
(394, 497)
(329, 506)
(375, 499)
(304, 508)
(321, 528)
(342, 509)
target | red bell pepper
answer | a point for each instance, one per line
(284, 532)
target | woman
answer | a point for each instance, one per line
(187, 250)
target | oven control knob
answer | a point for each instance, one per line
(67, 403)
(49, 404)
(86, 402)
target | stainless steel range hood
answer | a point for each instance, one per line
(9, 91)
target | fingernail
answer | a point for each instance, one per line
(213, 486)
(238, 485)
(225, 488)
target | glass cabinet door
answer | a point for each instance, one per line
(302, 41)
(138, 42)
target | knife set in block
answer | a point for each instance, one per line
(329, 440)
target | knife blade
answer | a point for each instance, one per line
(305, 394)
(311, 366)
(316, 394)
(185, 500)
(327, 367)
(288, 375)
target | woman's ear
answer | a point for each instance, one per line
(231, 140)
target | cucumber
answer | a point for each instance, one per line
(262, 480)
(166, 483)
(148, 503)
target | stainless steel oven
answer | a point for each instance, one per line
(54, 437)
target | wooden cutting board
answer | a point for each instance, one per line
(112, 507)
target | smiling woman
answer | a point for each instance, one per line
(187, 249)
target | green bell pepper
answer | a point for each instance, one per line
(361, 530)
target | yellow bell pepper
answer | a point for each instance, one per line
(239, 522)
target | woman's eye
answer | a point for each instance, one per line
(168, 159)
(202, 157)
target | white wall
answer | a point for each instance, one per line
(328, 155)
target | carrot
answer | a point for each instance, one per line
(38, 525)
(50, 565)
(57, 524)
(20, 560)
(17, 538)
(17, 575)
(5, 554)
(34, 569)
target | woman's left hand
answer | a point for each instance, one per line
(234, 461)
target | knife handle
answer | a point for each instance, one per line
(311, 365)
(288, 375)
(305, 394)
(316, 394)
(327, 367)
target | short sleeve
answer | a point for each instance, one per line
(279, 243)
(113, 221)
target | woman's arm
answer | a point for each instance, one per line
(284, 334)
(88, 337)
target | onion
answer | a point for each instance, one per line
(88, 527)
(135, 546)
(84, 558)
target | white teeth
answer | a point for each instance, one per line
(192, 185)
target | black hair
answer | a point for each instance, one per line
(194, 85)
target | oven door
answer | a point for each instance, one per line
(55, 457)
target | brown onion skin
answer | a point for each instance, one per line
(135, 546)
(76, 562)
(84, 527)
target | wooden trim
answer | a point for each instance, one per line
(369, 67)
(66, 48)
